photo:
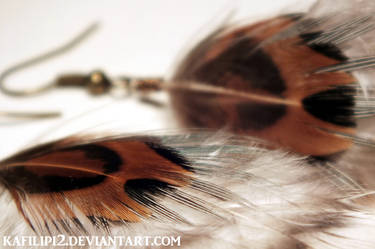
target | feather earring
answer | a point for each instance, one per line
(215, 189)
(302, 81)
(198, 186)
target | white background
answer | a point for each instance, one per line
(135, 36)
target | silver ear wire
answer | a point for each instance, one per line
(96, 82)
(49, 85)
(39, 59)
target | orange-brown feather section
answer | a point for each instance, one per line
(281, 75)
(99, 191)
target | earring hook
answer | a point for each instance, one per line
(42, 58)
(96, 82)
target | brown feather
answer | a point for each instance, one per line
(91, 176)
(250, 81)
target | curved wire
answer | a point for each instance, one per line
(39, 59)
